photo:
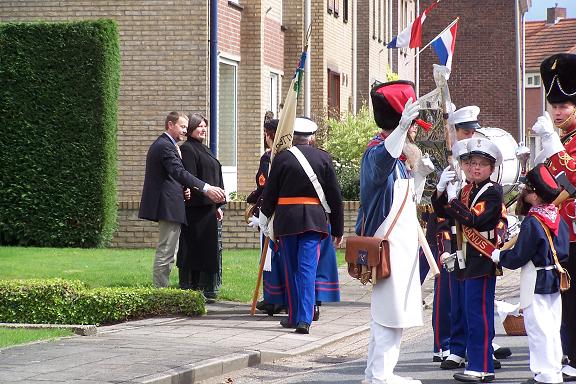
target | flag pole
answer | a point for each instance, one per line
(431, 41)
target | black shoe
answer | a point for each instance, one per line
(451, 364)
(466, 378)
(502, 353)
(303, 328)
(497, 364)
(316, 313)
(209, 299)
(261, 305)
(284, 323)
(568, 377)
(437, 359)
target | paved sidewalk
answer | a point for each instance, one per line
(186, 350)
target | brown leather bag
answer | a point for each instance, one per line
(368, 257)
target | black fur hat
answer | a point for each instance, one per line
(388, 100)
(541, 181)
(559, 77)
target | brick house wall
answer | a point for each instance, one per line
(484, 63)
(236, 233)
(164, 58)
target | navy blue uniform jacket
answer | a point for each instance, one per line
(162, 197)
(533, 245)
(288, 179)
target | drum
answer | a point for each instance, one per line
(508, 172)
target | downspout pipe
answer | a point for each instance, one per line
(214, 77)
(307, 65)
(519, 72)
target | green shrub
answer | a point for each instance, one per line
(59, 87)
(57, 301)
(346, 141)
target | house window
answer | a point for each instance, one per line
(333, 95)
(345, 11)
(330, 6)
(336, 8)
(532, 80)
(227, 106)
(274, 81)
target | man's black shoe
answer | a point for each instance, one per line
(303, 328)
(262, 305)
(568, 377)
(497, 364)
(284, 323)
(451, 364)
(437, 359)
(466, 378)
(502, 353)
(316, 313)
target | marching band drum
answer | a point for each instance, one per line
(508, 173)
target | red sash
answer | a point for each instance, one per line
(479, 242)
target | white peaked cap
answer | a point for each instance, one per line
(483, 147)
(304, 126)
(460, 148)
(465, 117)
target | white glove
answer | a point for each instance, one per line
(425, 166)
(452, 190)
(263, 223)
(410, 113)
(551, 144)
(496, 256)
(543, 126)
(254, 222)
(447, 176)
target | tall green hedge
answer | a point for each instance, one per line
(59, 87)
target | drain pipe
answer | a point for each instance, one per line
(214, 77)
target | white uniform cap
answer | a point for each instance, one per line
(304, 126)
(460, 149)
(478, 146)
(465, 117)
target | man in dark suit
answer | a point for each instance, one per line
(302, 217)
(163, 193)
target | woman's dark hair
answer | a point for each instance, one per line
(194, 120)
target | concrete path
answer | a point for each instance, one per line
(186, 350)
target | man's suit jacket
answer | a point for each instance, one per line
(162, 197)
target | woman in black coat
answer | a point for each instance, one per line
(199, 257)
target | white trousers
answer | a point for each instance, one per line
(383, 353)
(542, 321)
(168, 241)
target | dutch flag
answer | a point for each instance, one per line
(411, 36)
(444, 44)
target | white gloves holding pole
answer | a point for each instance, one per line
(447, 176)
(395, 142)
(551, 144)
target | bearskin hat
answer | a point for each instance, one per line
(559, 79)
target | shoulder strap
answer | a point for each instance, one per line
(381, 227)
(547, 231)
(480, 192)
(312, 176)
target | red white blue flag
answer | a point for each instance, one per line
(411, 36)
(444, 44)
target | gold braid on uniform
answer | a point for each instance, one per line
(564, 159)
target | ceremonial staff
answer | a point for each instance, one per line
(282, 141)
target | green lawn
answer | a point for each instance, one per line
(14, 336)
(122, 267)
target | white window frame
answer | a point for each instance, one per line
(533, 80)
(230, 173)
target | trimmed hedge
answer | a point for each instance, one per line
(59, 85)
(57, 301)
